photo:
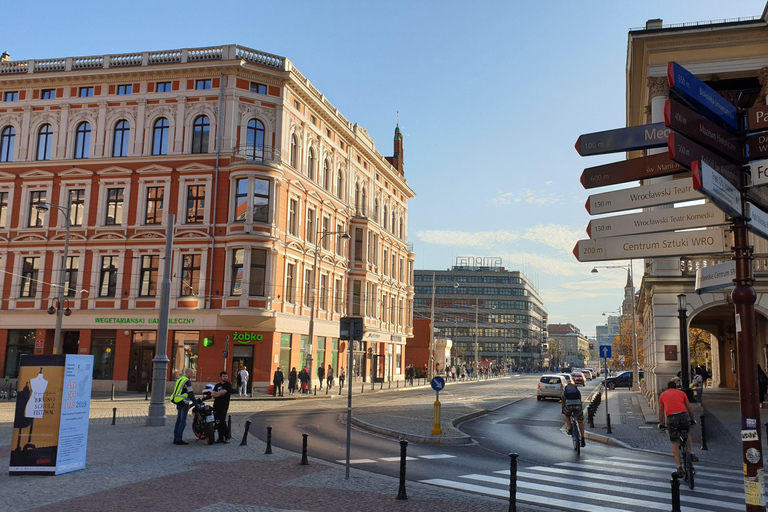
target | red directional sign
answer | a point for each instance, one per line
(758, 146)
(684, 151)
(699, 129)
(757, 118)
(633, 169)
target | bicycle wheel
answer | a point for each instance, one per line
(575, 435)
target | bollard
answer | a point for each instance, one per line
(146, 396)
(244, 442)
(229, 427)
(401, 491)
(362, 388)
(304, 461)
(397, 384)
(675, 492)
(269, 441)
(591, 416)
(703, 433)
(381, 385)
(512, 482)
(114, 414)
(389, 384)
(326, 389)
(315, 390)
(608, 423)
(113, 391)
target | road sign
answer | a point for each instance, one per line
(633, 169)
(681, 243)
(701, 130)
(757, 118)
(623, 139)
(714, 106)
(759, 171)
(437, 383)
(713, 185)
(758, 146)
(668, 219)
(684, 151)
(715, 277)
(758, 222)
(605, 351)
(758, 196)
(655, 194)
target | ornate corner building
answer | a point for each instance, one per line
(264, 178)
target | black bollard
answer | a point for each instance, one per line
(608, 423)
(244, 442)
(304, 461)
(591, 416)
(389, 384)
(675, 492)
(315, 390)
(113, 391)
(703, 433)
(114, 414)
(362, 388)
(401, 491)
(229, 427)
(397, 384)
(269, 441)
(512, 482)
(146, 396)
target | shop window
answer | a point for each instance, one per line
(103, 351)
(184, 352)
(320, 355)
(20, 342)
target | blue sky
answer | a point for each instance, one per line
(492, 96)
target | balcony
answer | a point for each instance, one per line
(260, 155)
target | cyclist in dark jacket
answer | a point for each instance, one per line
(570, 402)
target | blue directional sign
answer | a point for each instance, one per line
(713, 106)
(623, 139)
(437, 383)
(605, 351)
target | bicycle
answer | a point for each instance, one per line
(686, 461)
(575, 433)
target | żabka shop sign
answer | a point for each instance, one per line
(246, 337)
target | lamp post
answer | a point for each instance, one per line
(432, 332)
(682, 311)
(318, 248)
(635, 368)
(60, 312)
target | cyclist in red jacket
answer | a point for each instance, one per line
(675, 411)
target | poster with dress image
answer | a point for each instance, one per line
(50, 427)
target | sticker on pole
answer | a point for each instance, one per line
(437, 383)
(748, 435)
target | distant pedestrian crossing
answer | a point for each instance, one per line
(396, 459)
(612, 484)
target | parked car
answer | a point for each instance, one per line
(550, 386)
(621, 380)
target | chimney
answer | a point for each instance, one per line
(654, 24)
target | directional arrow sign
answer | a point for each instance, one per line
(758, 146)
(623, 139)
(757, 118)
(685, 152)
(655, 194)
(633, 169)
(605, 351)
(713, 185)
(676, 243)
(759, 171)
(669, 219)
(713, 106)
(758, 220)
(715, 277)
(691, 124)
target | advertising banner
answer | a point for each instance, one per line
(50, 427)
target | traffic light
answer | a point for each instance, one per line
(591, 346)
(207, 342)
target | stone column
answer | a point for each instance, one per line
(101, 130)
(139, 135)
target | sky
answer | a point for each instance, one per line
(491, 96)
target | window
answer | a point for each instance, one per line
(326, 176)
(313, 119)
(48, 94)
(82, 140)
(11, 96)
(190, 274)
(85, 92)
(258, 272)
(108, 277)
(384, 219)
(124, 90)
(29, 271)
(324, 292)
(195, 204)
(340, 185)
(203, 85)
(290, 282)
(19, 343)
(44, 142)
(384, 262)
(376, 210)
(3, 209)
(7, 140)
(76, 207)
(339, 232)
(294, 151)
(358, 244)
(311, 164)
(293, 217)
(241, 199)
(120, 139)
(260, 200)
(114, 207)
(356, 298)
(310, 234)
(260, 89)
(326, 228)
(337, 296)
(36, 217)
(154, 213)
(307, 286)
(160, 137)
(200, 130)
(184, 352)
(237, 272)
(70, 276)
(357, 199)
(103, 351)
(148, 278)
(255, 139)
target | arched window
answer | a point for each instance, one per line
(82, 140)
(311, 164)
(120, 140)
(326, 176)
(340, 185)
(160, 137)
(44, 142)
(384, 219)
(7, 138)
(200, 129)
(357, 198)
(255, 139)
(294, 151)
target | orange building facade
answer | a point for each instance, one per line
(259, 171)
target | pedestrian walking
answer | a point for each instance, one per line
(342, 376)
(221, 394)
(321, 375)
(698, 384)
(304, 380)
(277, 382)
(243, 380)
(292, 378)
(183, 397)
(329, 377)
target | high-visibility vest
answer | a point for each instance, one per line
(178, 396)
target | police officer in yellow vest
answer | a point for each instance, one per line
(184, 398)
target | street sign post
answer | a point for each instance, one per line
(655, 194)
(652, 245)
(757, 118)
(623, 139)
(684, 151)
(605, 351)
(684, 120)
(759, 172)
(758, 220)
(758, 146)
(437, 383)
(668, 219)
(625, 171)
(711, 104)
(713, 185)
(715, 277)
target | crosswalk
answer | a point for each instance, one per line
(397, 459)
(613, 484)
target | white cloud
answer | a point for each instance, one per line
(556, 236)
(525, 196)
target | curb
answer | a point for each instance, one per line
(464, 439)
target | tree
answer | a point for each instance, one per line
(700, 346)
(623, 344)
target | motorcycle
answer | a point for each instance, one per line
(203, 422)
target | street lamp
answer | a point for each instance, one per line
(635, 368)
(59, 310)
(318, 248)
(682, 311)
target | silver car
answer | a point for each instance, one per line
(550, 386)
